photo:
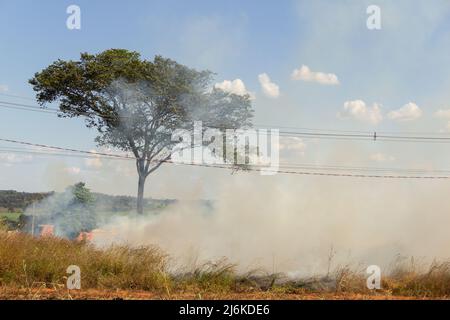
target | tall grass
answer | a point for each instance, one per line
(217, 276)
(405, 277)
(412, 279)
(27, 261)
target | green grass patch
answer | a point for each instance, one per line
(11, 216)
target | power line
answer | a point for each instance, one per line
(353, 168)
(65, 149)
(317, 133)
(281, 165)
(24, 105)
(260, 125)
(311, 135)
(48, 153)
(322, 134)
(251, 168)
(26, 109)
(17, 96)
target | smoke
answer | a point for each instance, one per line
(69, 212)
(57, 176)
(290, 224)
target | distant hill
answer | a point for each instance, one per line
(13, 205)
(11, 200)
(105, 202)
(14, 201)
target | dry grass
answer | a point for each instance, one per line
(218, 276)
(33, 266)
(106, 294)
(41, 262)
(29, 262)
(412, 279)
(405, 277)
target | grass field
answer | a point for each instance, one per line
(36, 268)
(12, 216)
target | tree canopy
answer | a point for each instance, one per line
(136, 104)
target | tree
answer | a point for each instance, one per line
(73, 211)
(81, 194)
(70, 212)
(136, 104)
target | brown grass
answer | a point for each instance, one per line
(108, 294)
(33, 267)
(28, 262)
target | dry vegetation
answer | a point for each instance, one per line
(26, 261)
(36, 268)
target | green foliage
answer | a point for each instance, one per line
(73, 211)
(10, 220)
(12, 201)
(19, 201)
(136, 104)
(82, 194)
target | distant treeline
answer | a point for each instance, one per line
(14, 201)
(104, 202)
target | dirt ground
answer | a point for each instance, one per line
(7, 293)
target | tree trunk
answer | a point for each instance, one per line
(140, 196)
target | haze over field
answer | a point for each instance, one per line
(305, 69)
(292, 226)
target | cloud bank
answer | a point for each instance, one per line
(269, 88)
(306, 74)
(408, 112)
(357, 109)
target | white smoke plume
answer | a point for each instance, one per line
(289, 226)
(289, 223)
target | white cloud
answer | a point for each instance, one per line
(305, 74)
(95, 162)
(293, 144)
(4, 88)
(408, 112)
(357, 109)
(269, 88)
(381, 157)
(236, 86)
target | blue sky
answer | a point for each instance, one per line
(405, 64)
